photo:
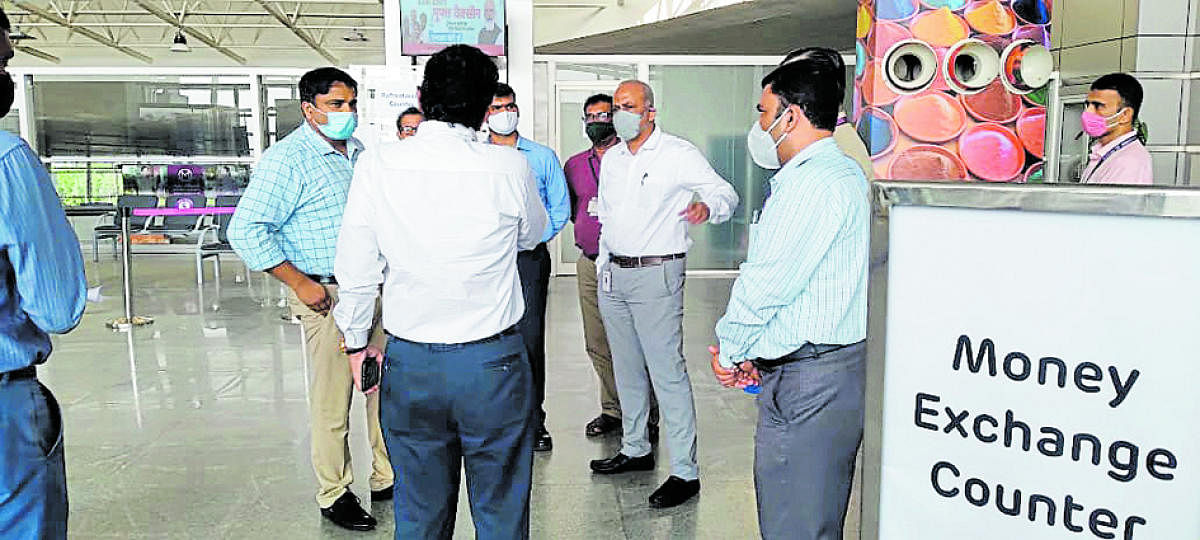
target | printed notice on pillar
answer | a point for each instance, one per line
(1042, 376)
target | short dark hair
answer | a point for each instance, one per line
(825, 57)
(408, 111)
(460, 82)
(1127, 86)
(504, 90)
(318, 81)
(597, 98)
(4, 23)
(813, 85)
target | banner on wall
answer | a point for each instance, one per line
(1042, 388)
(428, 26)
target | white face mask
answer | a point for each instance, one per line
(762, 145)
(503, 123)
(627, 124)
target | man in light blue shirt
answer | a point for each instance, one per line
(287, 224)
(797, 316)
(534, 265)
(42, 291)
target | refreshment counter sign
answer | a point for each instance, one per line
(1033, 363)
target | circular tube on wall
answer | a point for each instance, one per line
(1027, 66)
(909, 66)
(971, 65)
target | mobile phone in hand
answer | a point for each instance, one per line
(370, 373)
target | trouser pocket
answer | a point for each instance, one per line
(47, 420)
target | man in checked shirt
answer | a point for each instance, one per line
(287, 224)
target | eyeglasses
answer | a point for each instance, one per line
(597, 117)
(408, 130)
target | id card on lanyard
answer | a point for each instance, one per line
(1107, 155)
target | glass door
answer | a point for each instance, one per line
(570, 139)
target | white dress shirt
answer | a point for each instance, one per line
(438, 219)
(642, 195)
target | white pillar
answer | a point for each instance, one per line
(519, 18)
(391, 34)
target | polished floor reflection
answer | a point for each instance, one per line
(196, 426)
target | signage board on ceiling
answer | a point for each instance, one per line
(1039, 376)
(428, 26)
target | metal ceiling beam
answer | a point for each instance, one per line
(201, 36)
(303, 35)
(193, 14)
(161, 24)
(90, 34)
(38, 54)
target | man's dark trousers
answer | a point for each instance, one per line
(534, 268)
(444, 407)
(33, 476)
(810, 422)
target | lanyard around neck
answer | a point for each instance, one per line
(1107, 155)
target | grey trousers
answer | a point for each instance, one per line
(810, 422)
(643, 316)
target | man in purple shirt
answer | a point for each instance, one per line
(583, 177)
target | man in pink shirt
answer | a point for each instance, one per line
(1119, 155)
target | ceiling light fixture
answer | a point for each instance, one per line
(355, 36)
(180, 43)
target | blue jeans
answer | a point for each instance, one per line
(33, 477)
(444, 407)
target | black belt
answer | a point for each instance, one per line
(323, 280)
(807, 352)
(590, 257)
(28, 372)
(510, 331)
(642, 262)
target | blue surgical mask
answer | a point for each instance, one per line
(339, 126)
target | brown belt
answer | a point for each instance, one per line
(643, 262)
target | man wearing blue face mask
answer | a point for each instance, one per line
(287, 224)
(797, 316)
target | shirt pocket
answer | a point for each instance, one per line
(650, 191)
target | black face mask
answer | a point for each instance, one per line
(599, 132)
(8, 93)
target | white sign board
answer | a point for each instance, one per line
(384, 93)
(1087, 424)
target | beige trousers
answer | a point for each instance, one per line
(331, 389)
(595, 338)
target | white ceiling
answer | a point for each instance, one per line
(299, 33)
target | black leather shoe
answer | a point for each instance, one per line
(622, 463)
(542, 441)
(384, 494)
(652, 433)
(347, 513)
(674, 492)
(601, 425)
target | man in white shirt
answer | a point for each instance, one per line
(647, 184)
(437, 219)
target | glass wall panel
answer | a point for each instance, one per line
(142, 116)
(282, 106)
(567, 71)
(713, 107)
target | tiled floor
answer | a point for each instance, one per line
(196, 426)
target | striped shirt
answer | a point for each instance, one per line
(42, 285)
(805, 275)
(292, 209)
